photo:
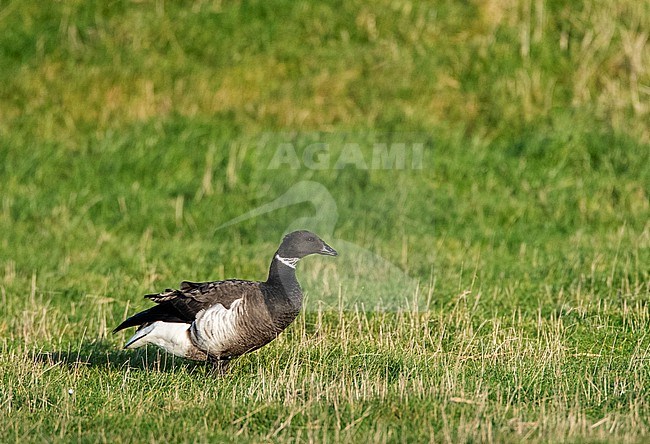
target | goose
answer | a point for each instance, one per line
(221, 320)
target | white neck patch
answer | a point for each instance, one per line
(288, 261)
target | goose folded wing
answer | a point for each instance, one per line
(192, 297)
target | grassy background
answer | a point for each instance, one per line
(129, 131)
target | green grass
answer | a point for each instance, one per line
(130, 131)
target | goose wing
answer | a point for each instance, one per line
(184, 304)
(192, 297)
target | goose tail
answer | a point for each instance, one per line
(137, 340)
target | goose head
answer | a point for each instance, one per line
(299, 244)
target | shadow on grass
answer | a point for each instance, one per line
(98, 354)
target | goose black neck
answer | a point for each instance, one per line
(281, 274)
(282, 293)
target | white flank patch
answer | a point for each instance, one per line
(288, 261)
(172, 337)
(215, 328)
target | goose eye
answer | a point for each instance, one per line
(310, 239)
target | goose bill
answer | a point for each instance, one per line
(328, 251)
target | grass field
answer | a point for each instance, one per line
(495, 288)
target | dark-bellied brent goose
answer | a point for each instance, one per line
(218, 321)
